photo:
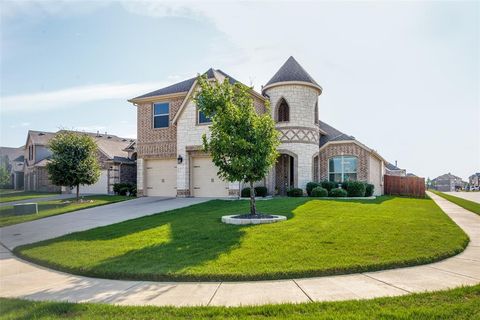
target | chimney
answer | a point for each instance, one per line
(395, 163)
(98, 133)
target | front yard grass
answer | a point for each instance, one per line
(7, 196)
(466, 204)
(456, 304)
(55, 207)
(321, 237)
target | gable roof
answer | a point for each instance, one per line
(40, 137)
(12, 153)
(332, 134)
(184, 86)
(292, 71)
(447, 176)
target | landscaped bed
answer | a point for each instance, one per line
(456, 304)
(10, 196)
(320, 237)
(55, 207)
(466, 204)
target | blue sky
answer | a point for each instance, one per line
(401, 77)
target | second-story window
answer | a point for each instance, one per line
(30, 152)
(202, 118)
(283, 112)
(161, 117)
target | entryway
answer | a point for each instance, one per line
(284, 174)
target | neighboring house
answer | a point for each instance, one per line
(12, 159)
(474, 180)
(171, 160)
(448, 182)
(393, 170)
(117, 164)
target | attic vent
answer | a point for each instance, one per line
(41, 134)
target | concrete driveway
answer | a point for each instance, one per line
(55, 226)
(472, 196)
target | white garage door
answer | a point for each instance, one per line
(161, 177)
(100, 187)
(206, 183)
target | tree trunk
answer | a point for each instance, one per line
(78, 191)
(253, 208)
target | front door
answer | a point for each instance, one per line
(284, 178)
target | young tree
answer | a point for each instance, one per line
(74, 160)
(242, 143)
(4, 175)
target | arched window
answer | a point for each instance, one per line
(342, 168)
(283, 113)
(316, 113)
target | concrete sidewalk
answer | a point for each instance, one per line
(55, 226)
(24, 280)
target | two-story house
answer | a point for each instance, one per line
(116, 156)
(171, 161)
(12, 160)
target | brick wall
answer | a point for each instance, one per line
(159, 142)
(346, 149)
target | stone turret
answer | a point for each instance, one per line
(293, 95)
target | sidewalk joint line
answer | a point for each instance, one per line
(218, 287)
(305, 293)
(452, 272)
(388, 284)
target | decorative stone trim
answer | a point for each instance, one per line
(231, 220)
(166, 149)
(298, 135)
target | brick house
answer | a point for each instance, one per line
(393, 170)
(12, 160)
(474, 180)
(117, 162)
(448, 182)
(171, 161)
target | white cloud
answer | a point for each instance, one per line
(42, 101)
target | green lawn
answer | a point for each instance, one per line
(9, 195)
(54, 207)
(466, 204)
(461, 303)
(321, 237)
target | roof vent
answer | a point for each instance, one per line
(41, 134)
(124, 139)
(109, 137)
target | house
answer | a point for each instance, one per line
(12, 159)
(117, 162)
(448, 182)
(171, 160)
(393, 170)
(474, 181)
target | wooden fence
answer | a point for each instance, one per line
(404, 186)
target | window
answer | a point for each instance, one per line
(161, 116)
(202, 118)
(30, 152)
(283, 113)
(316, 113)
(343, 168)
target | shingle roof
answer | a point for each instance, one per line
(291, 70)
(185, 85)
(447, 176)
(390, 166)
(332, 134)
(40, 137)
(12, 153)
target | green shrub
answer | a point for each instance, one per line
(329, 185)
(319, 192)
(345, 185)
(337, 193)
(356, 189)
(295, 192)
(245, 192)
(261, 191)
(311, 186)
(369, 189)
(123, 188)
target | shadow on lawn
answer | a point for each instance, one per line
(197, 236)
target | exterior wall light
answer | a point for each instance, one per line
(179, 159)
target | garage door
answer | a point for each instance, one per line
(161, 177)
(100, 187)
(206, 183)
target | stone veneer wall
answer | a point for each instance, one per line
(157, 143)
(346, 149)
